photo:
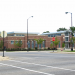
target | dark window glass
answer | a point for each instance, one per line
(48, 35)
(59, 44)
(66, 34)
(66, 38)
(52, 35)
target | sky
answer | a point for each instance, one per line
(48, 15)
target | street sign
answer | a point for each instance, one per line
(5, 34)
(53, 39)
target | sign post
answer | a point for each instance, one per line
(3, 34)
(53, 39)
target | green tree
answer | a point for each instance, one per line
(72, 39)
(46, 32)
(51, 45)
(1, 44)
(18, 43)
(56, 42)
(72, 29)
(39, 41)
(61, 29)
(63, 45)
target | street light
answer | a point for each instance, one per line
(27, 31)
(71, 17)
(71, 25)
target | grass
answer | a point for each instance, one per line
(71, 51)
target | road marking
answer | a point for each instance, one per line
(26, 69)
(42, 65)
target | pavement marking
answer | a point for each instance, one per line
(26, 69)
(43, 65)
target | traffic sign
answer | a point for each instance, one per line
(5, 34)
(53, 39)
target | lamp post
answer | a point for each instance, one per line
(71, 26)
(3, 43)
(27, 31)
(71, 17)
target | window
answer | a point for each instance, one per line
(28, 44)
(32, 44)
(48, 35)
(66, 38)
(59, 34)
(59, 44)
(36, 44)
(22, 35)
(12, 42)
(52, 35)
(44, 44)
(66, 34)
(39, 45)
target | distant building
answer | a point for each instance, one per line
(62, 36)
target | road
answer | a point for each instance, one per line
(38, 63)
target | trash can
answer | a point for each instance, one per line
(71, 49)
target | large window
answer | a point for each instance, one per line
(12, 42)
(35, 43)
(66, 38)
(59, 44)
(48, 35)
(44, 44)
(51, 35)
(40, 46)
(28, 44)
(66, 34)
(32, 44)
(58, 34)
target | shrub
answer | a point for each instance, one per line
(48, 48)
(36, 48)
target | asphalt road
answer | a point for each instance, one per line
(38, 63)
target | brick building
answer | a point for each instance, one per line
(62, 36)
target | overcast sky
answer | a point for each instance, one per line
(49, 15)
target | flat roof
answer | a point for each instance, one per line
(22, 32)
(56, 32)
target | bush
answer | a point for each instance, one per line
(48, 48)
(36, 48)
(1, 49)
(53, 48)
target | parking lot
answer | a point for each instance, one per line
(38, 63)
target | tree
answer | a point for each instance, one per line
(61, 29)
(39, 41)
(51, 45)
(56, 42)
(18, 43)
(72, 39)
(46, 32)
(1, 44)
(63, 45)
